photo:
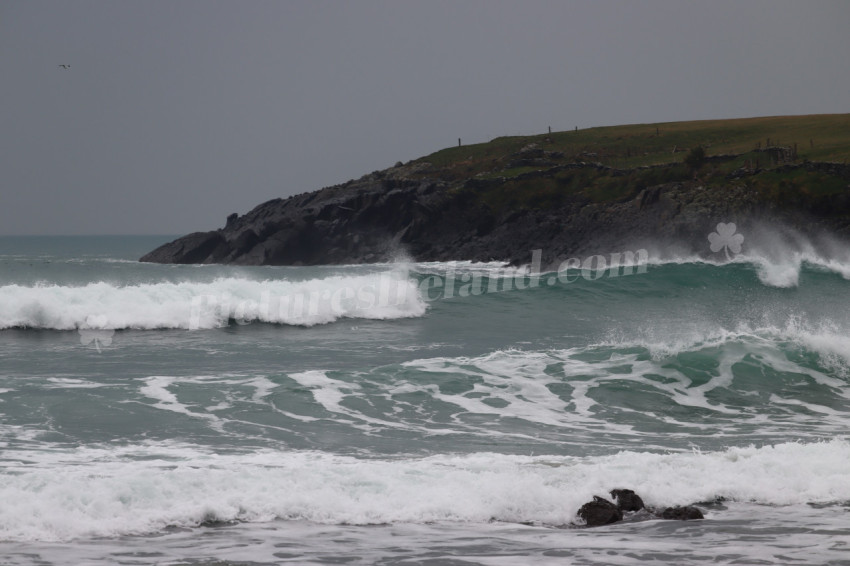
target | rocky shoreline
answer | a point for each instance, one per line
(412, 210)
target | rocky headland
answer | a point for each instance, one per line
(568, 193)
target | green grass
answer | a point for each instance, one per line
(816, 138)
(783, 184)
(822, 137)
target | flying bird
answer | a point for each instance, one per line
(65, 66)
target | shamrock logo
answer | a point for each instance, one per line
(726, 239)
(95, 332)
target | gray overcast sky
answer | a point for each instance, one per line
(174, 114)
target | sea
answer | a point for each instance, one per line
(409, 413)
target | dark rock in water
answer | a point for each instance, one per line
(687, 513)
(197, 247)
(627, 500)
(600, 512)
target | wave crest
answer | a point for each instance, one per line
(192, 305)
(778, 253)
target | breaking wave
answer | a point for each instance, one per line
(145, 489)
(192, 305)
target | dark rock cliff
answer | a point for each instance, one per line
(403, 210)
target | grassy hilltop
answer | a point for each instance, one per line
(531, 172)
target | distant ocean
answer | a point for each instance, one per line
(421, 413)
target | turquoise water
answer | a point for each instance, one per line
(410, 413)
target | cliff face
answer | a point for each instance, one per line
(369, 220)
(398, 210)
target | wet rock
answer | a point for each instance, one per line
(627, 500)
(687, 513)
(600, 512)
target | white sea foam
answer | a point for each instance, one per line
(828, 340)
(490, 269)
(61, 495)
(157, 388)
(570, 391)
(519, 385)
(777, 253)
(512, 384)
(331, 393)
(71, 383)
(161, 389)
(385, 295)
(781, 271)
